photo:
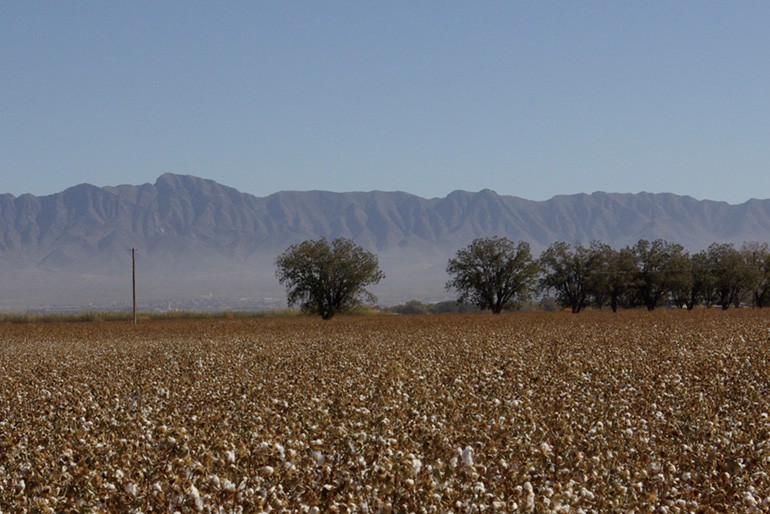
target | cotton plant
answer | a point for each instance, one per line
(519, 413)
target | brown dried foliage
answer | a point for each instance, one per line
(664, 412)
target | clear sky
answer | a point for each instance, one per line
(528, 98)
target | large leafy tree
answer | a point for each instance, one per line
(757, 258)
(682, 281)
(703, 281)
(492, 273)
(616, 280)
(730, 273)
(658, 265)
(326, 278)
(573, 272)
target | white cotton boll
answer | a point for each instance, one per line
(546, 448)
(318, 457)
(230, 456)
(196, 497)
(119, 475)
(156, 487)
(314, 510)
(467, 456)
(228, 486)
(416, 466)
(479, 488)
(268, 471)
(529, 506)
(131, 489)
(214, 480)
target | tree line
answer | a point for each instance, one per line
(496, 274)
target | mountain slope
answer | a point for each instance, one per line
(196, 236)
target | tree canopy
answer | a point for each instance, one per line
(757, 261)
(731, 275)
(653, 273)
(327, 278)
(573, 272)
(658, 266)
(492, 273)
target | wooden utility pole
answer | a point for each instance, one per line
(133, 280)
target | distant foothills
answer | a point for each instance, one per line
(203, 245)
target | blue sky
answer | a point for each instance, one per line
(527, 98)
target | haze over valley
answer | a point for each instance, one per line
(203, 245)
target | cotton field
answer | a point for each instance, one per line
(632, 412)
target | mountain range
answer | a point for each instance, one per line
(201, 244)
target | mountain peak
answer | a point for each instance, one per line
(175, 180)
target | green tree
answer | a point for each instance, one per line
(616, 281)
(757, 259)
(682, 280)
(703, 281)
(326, 278)
(492, 273)
(657, 266)
(573, 272)
(731, 280)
